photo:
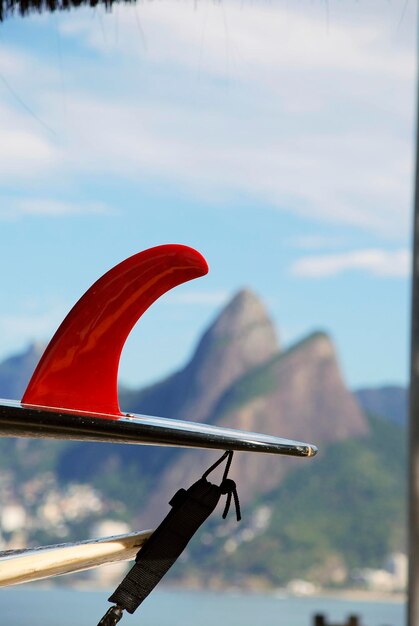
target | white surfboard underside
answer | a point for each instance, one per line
(21, 566)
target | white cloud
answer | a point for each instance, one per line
(395, 264)
(317, 242)
(254, 100)
(245, 36)
(55, 208)
(24, 154)
(17, 208)
(331, 145)
(12, 61)
(358, 178)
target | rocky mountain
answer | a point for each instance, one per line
(389, 402)
(297, 394)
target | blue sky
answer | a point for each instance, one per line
(276, 138)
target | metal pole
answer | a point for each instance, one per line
(413, 591)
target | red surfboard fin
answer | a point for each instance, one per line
(79, 369)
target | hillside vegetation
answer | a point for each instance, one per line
(347, 510)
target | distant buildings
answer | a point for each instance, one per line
(392, 577)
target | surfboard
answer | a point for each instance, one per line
(30, 564)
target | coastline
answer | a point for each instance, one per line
(363, 595)
(349, 594)
(255, 587)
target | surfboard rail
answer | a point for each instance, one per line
(17, 420)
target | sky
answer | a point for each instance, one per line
(277, 138)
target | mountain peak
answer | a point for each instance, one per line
(244, 296)
(241, 337)
(245, 314)
(318, 341)
(300, 393)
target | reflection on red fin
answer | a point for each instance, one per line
(79, 368)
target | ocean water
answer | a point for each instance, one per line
(23, 606)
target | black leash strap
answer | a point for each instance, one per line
(190, 509)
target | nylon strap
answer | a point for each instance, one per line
(190, 509)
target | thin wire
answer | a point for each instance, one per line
(403, 13)
(141, 30)
(25, 106)
(61, 70)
